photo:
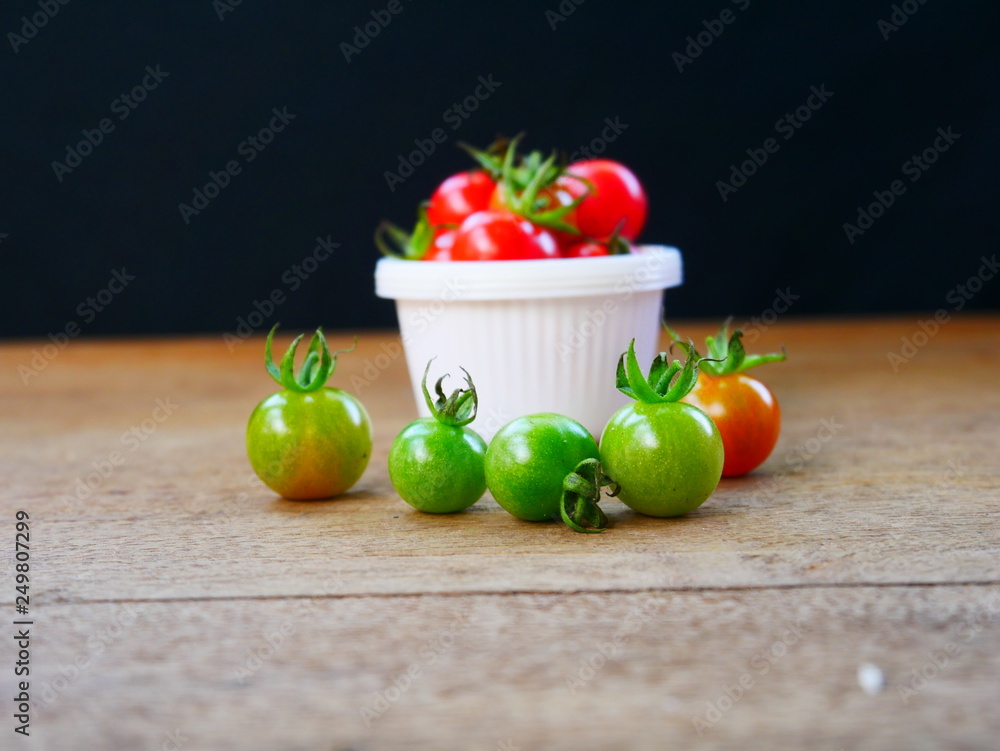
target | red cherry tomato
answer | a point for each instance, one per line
(617, 194)
(441, 245)
(747, 415)
(501, 236)
(614, 245)
(586, 250)
(459, 196)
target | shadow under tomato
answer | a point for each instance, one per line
(348, 500)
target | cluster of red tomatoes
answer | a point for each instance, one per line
(522, 207)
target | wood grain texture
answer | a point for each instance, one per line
(875, 520)
(493, 672)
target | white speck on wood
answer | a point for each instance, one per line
(870, 678)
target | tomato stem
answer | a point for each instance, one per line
(616, 244)
(667, 381)
(581, 494)
(395, 242)
(316, 370)
(491, 158)
(522, 184)
(726, 351)
(457, 410)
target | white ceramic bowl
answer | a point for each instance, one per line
(536, 336)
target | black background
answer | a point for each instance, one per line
(324, 174)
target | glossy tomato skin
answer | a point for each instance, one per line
(310, 445)
(747, 415)
(586, 250)
(529, 458)
(501, 236)
(460, 196)
(666, 457)
(441, 245)
(438, 468)
(617, 194)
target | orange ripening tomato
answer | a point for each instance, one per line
(745, 412)
(743, 409)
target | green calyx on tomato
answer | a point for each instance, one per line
(531, 190)
(547, 466)
(491, 158)
(727, 352)
(395, 242)
(521, 167)
(457, 410)
(530, 185)
(316, 370)
(581, 494)
(667, 381)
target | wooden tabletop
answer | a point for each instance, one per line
(845, 596)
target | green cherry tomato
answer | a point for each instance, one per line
(667, 458)
(308, 441)
(436, 463)
(665, 455)
(529, 459)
